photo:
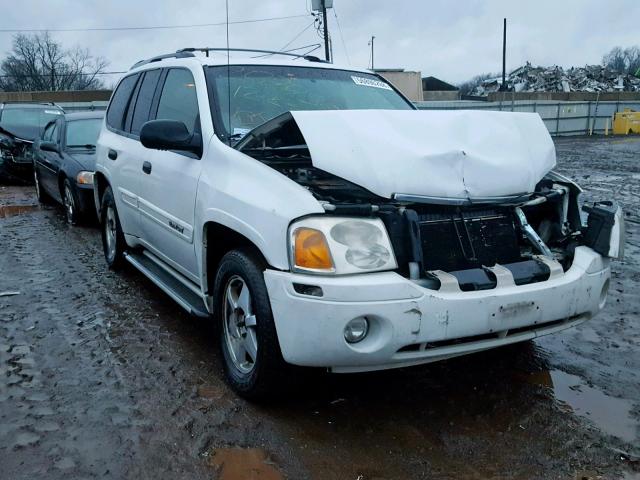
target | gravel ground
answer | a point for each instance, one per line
(102, 375)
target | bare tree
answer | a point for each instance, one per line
(39, 63)
(623, 60)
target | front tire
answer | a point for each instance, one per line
(41, 195)
(113, 242)
(253, 363)
(70, 203)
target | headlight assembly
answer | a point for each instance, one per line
(339, 245)
(85, 178)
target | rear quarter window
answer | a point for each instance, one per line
(120, 102)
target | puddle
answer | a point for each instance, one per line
(611, 415)
(244, 464)
(12, 210)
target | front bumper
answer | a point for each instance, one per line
(86, 199)
(15, 171)
(410, 324)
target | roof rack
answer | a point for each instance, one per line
(30, 102)
(178, 54)
(206, 50)
(188, 52)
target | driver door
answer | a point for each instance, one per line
(48, 163)
(169, 180)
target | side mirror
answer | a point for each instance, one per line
(170, 135)
(50, 147)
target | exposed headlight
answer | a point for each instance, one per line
(85, 178)
(340, 245)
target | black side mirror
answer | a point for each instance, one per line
(170, 135)
(50, 147)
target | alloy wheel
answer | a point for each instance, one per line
(69, 205)
(110, 233)
(240, 325)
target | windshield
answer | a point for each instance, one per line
(26, 122)
(259, 93)
(83, 133)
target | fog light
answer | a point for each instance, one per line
(356, 330)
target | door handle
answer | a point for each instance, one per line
(112, 154)
(146, 167)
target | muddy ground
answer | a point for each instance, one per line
(102, 375)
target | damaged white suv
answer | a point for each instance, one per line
(322, 221)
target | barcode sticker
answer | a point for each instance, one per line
(369, 82)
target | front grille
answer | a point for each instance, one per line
(468, 239)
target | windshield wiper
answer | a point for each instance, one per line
(89, 146)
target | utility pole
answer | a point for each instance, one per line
(371, 43)
(326, 30)
(503, 87)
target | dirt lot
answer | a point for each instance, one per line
(102, 375)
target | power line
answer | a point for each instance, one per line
(298, 35)
(344, 45)
(154, 27)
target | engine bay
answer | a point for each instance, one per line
(533, 235)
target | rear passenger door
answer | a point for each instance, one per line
(168, 188)
(114, 154)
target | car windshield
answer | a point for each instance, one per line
(26, 122)
(83, 133)
(260, 93)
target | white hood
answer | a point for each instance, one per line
(459, 154)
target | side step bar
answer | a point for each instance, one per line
(173, 284)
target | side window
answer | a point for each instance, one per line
(55, 133)
(144, 100)
(47, 135)
(120, 101)
(178, 100)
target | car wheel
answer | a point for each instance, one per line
(252, 360)
(70, 202)
(41, 195)
(113, 243)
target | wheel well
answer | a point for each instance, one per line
(219, 240)
(102, 184)
(61, 179)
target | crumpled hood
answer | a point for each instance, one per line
(460, 154)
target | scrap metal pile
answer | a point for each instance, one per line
(591, 78)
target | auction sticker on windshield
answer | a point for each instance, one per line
(368, 82)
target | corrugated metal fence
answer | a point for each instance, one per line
(561, 118)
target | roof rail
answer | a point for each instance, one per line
(206, 50)
(178, 54)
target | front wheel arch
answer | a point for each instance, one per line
(217, 241)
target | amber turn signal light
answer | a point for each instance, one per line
(311, 250)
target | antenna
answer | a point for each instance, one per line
(228, 78)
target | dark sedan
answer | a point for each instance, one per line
(20, 125)
(64, 162)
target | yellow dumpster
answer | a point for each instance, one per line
(626, 122)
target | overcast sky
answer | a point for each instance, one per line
(452, 40)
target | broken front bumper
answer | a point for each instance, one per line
(410, 324)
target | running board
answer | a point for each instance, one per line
(173, 284)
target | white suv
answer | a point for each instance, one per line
(321, 220)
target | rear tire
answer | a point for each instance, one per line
(113, 242)
(252, 360)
